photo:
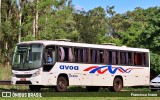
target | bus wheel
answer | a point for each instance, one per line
(61, 84)
(35, 88)
(93, 88)
(117, 85)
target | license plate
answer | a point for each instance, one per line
(23, 79)
(156, 86)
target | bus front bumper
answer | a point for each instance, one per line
(37, 80)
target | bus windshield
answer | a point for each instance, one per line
(27, 57)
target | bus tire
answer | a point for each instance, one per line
(92, 88)
(117, 85)
(61, 84)
(34, 88)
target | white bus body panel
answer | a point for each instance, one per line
(78, 75)
(90, 75)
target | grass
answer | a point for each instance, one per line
(5, 72)
(136, 89)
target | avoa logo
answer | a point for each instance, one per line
(67, 67)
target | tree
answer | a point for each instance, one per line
(0, 14)
(35, 21)
(91, 25)
(56, 20)
(7, 37)
(150, 36)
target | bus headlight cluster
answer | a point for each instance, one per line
(36, 73)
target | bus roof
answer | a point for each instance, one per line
(98, 46)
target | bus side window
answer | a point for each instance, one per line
(66, 57)
(98, 56)
(144, 58)
(76, 54)
(106, 57)
(80, 55)
(110, 57)
(123, 58)
(146, 61)
(92, 55)
(61, 53)
(71, 58)
(126, 58)
(135, 59)
(64, 54)
(66, 50)
(101, 52)
(49, 53)
(85, 55)
(129, 58)
(114, 57)
(138, 59)
(117, 57)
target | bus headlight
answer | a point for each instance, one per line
(36, 73)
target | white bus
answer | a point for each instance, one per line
(79, 64)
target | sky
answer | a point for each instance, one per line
(121, 6)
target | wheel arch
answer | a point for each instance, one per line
(65, 76)
(119, 76)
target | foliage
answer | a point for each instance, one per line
(59, 19)
(155, 62)
(91, 25)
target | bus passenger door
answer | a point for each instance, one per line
(48, 63)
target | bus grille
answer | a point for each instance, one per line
(23, 82)
(23, 75)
